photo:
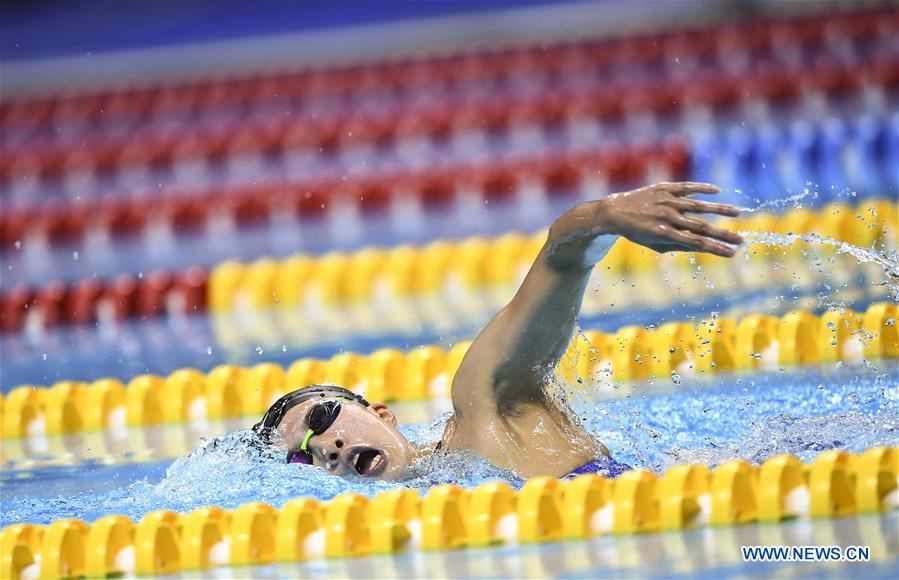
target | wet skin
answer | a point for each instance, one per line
(501, 411)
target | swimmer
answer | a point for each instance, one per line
(501, 410)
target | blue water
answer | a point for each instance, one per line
(750, 416)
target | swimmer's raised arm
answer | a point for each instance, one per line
(508, 362)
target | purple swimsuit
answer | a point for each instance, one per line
(604, 466)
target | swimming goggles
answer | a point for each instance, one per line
(321, 416)
(319, 419)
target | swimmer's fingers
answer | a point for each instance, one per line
(698, 206)
(684, 188)
(705, 229)
(697, 243)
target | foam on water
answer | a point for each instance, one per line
(756, 417)
(230, 470)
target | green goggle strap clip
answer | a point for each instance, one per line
(309, 434)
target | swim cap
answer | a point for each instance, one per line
(275, 414)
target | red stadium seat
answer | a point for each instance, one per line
(371, 195)
(186, 213)
(561, 174)
(14, 305)
(14, 224)
(191, 286)
(249, 205)
(309, 199)
(121, 296)
(152, 294)
(436, 188)
(62, 222)
(52, 302)
(122, 216)
(492, 182)
(85, 296)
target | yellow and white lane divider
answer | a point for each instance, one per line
(717, 344)
(836, 484)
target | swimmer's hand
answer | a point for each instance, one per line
(658, 217)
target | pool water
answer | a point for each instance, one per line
(649, 426)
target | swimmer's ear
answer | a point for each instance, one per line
(382, 411)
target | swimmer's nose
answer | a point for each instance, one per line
(330, 454)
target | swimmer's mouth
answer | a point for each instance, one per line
(368, 462)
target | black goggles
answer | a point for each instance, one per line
(320, 417)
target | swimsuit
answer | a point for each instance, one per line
(604, 465)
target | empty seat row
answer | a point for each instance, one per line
(432, 187)
(764, 161)
(663, 53)
(158, 293)
(390, 130)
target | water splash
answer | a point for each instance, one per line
(637, 435)
(801, 413)
(809, 194)
(803, 437)
(230, 470)
(887, 259)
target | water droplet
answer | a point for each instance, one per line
(75, 255)
(18, 244)
(259, 350)
(283, 348)
(209, 350)
(44, 356)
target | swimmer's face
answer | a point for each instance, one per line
(362, 441)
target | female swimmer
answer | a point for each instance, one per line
(500, 408)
